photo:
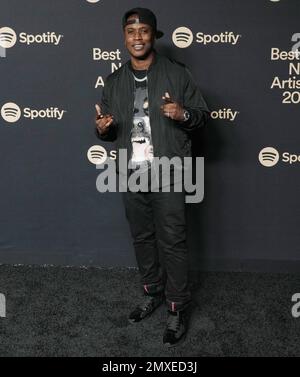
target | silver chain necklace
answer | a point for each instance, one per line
(140, 80)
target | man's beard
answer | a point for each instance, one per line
(144, 57)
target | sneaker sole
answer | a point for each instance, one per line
(133, 322)
(180, 341)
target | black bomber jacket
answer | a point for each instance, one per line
(169, 137)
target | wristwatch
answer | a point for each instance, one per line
(186, 115)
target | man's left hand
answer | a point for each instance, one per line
(172, 109)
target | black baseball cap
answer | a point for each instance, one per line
(145, 16)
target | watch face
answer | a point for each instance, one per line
(186, 115)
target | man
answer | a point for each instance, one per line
(150, 106)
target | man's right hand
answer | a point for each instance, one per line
(102, 121)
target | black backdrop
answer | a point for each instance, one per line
(51, 212)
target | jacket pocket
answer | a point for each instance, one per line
(181, 140)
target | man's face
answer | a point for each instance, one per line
(139, 39)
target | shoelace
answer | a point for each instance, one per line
(173, 322)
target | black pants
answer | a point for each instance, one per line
(157, 220)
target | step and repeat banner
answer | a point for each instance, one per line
(55, 55)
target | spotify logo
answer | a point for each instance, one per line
(10, 112)
(97, 154)
(8, 37)
(182, 37)
(268, 157)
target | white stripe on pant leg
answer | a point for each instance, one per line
(2, 305)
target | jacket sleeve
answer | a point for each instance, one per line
(194, 103)
(111, 133)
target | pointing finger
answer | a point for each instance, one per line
(98, 109)
(167, 98)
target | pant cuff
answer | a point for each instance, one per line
(153, 289)
(177, 306)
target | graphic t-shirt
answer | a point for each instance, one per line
(140, 136)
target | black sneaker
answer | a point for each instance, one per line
(149, 304)
(176, 328)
